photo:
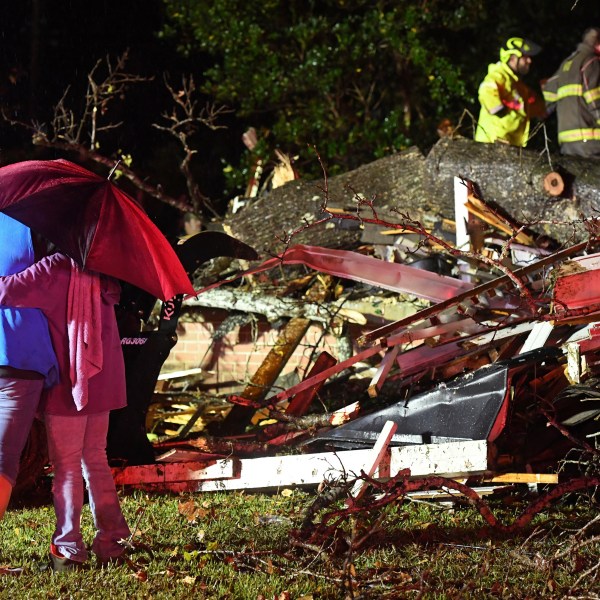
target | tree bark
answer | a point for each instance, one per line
(422, 187)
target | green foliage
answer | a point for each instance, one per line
(355, 79)
(359, 79)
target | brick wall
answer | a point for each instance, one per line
(232, 360)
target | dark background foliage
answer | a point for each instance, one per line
(355, 79)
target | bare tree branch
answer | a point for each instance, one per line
(182, 123)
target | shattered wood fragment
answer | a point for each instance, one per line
(541, 478)
(287, 438)
(383, 370)
(374, 460)
(306, 422)
(229, 446)
(267, 373)
(182, 455)
(494, 215)
(301, 402)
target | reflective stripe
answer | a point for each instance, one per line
(573, 89)
(496, 109)
(592, 95)
(578, 135)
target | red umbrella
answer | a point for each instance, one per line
(93, 222)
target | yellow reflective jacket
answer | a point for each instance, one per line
(574, 90)
(507, 107)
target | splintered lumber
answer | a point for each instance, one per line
(541, 478)
(301, 402)
(453, 459)
(180, 374)
(265, 376)
(514, 179)
(383, 371)
(496, 217)
(375, 457)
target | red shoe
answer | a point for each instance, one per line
(62, 563)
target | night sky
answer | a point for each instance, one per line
(54, 44)
(48, 46)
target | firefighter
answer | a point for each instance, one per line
(507, 103)
(574, 91)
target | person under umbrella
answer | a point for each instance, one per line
(27, 359)
(76, 410)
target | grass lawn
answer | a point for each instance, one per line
(241, 546)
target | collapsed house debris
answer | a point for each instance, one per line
(492, 377)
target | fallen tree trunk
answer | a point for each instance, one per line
(286, 208)
(423, 188)
(514, 178)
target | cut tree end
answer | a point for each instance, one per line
(554, 184)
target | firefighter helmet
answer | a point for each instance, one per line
(518, 47)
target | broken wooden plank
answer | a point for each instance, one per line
(174, 472)
(542, 478)
(452, 459)
(300, 403)
(167, 375)
(373, 461)
(184, 455)
(383, 371)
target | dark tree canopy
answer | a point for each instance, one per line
(359, 79)
(354, 79)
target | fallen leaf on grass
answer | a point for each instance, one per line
(191, 512)
(140, 575)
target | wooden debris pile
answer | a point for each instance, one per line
(496, 374)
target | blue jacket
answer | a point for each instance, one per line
(24, 335)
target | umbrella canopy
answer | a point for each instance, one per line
(93, 222)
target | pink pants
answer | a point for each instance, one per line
(77, 448)
(19, 399)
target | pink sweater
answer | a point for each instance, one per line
(45, 285)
